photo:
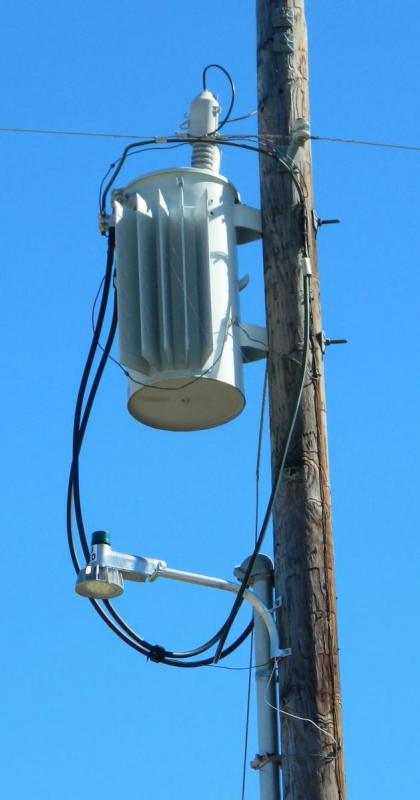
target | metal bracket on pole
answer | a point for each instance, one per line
(317, 222)
(252, 341)
(325, 342)
(300, 133)
(268, 758)
(284, 653)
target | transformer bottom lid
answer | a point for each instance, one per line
(182, 404)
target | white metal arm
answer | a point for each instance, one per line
(107, 567)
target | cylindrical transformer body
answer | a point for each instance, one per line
(178, 299)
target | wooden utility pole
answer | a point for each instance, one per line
(312, 757)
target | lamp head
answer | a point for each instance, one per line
(99, 583)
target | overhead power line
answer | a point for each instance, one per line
(91, 134)
(100, 135)
(387, 145)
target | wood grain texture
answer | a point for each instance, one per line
(313, 767)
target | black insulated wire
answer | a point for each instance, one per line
(117, 624)
(276, 484)
(128, 634)
(232, 92)
(73, 484)
(270, 152)
(118, 166)
(209, 662)
(114, 164)
(83, 386)
(73, 495)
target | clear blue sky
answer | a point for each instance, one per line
(82, 714)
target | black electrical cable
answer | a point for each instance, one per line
(239, 597)
(73, 491)
(141, 645)
(178, 656)
(268, 513)
(93, 312)
(149, 150)
(222, 141)
(73, 484)
(128, 635)
(276, 484)
(73, 495)
(80, 423)
(83, 386)
(232, 92)
(118, 166)
(209, 662)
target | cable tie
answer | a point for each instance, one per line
(157, 654)
(161, 140)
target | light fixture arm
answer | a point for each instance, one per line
(228, 586)
(93, 581)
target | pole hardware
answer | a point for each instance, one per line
(299, 134)
(268, 758)
(318, 222)
(119, 195)
(105, 222)
(253, 342)
(328, 222)
(325, 342)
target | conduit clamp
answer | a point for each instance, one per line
(268, 758)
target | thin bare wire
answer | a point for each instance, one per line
(248, 708)
(244, 116)
(257, 514)
(128, 374)
(364, 143)
(249, 668)
(294, 716)
(267, 136)
(90, 134)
